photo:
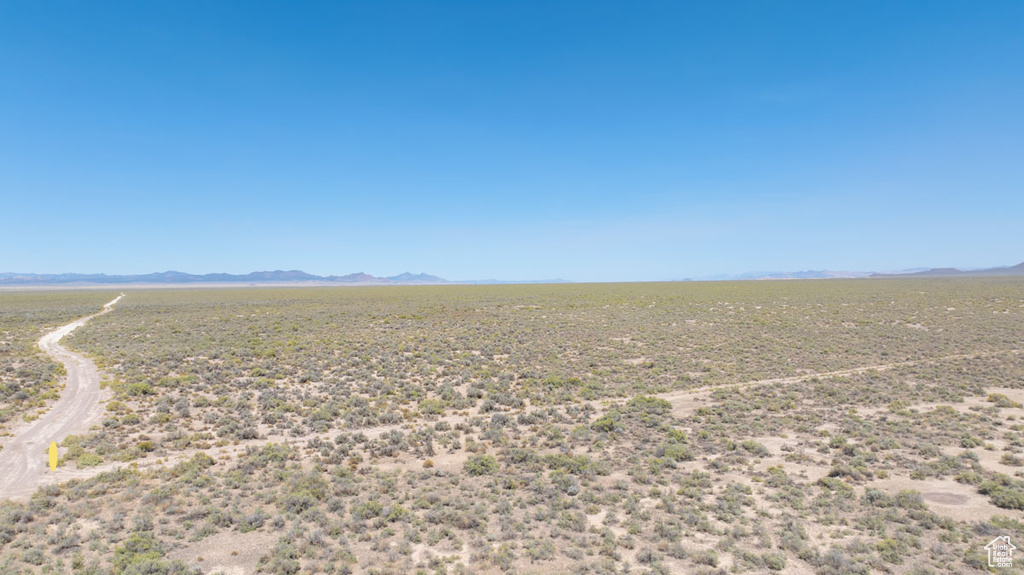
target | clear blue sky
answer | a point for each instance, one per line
(519, 140)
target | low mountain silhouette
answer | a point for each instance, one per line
(358, 277)
(176, 277)
(776, 275)
(1017, 270)
(417, 278)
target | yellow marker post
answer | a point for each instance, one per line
(53, 456)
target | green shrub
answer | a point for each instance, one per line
(567, 484)
(1001, 400)
(1004, 491)
(540, 550)
(676, 436)
(970, 442)
(909, 499)
(574, 464)
(675, 452)
(270, 454)
(481, 465)
(367, 510)
(650, 405)
(138, 389)
(705, 557)
(282, 560)
(431, 407)
(611, 421)
(774, 561)
(194, 466)
(1011, 460)
(573, 521)
(142, 554)
(892, 550)
(33, 556)
(755, 448)
(877, 498)
(89, 460)
(395, 513)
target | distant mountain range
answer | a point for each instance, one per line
(1017, 270)
(802, 275)
(301, 277)
(173, 277)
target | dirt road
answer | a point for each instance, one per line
(23, 460)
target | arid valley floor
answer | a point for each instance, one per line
(825, 427)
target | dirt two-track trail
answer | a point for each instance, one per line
(24, 465)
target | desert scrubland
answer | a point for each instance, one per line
(823, 427)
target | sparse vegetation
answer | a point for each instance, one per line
(662, 428)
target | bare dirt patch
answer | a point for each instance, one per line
(228, 552)
(948, 498)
